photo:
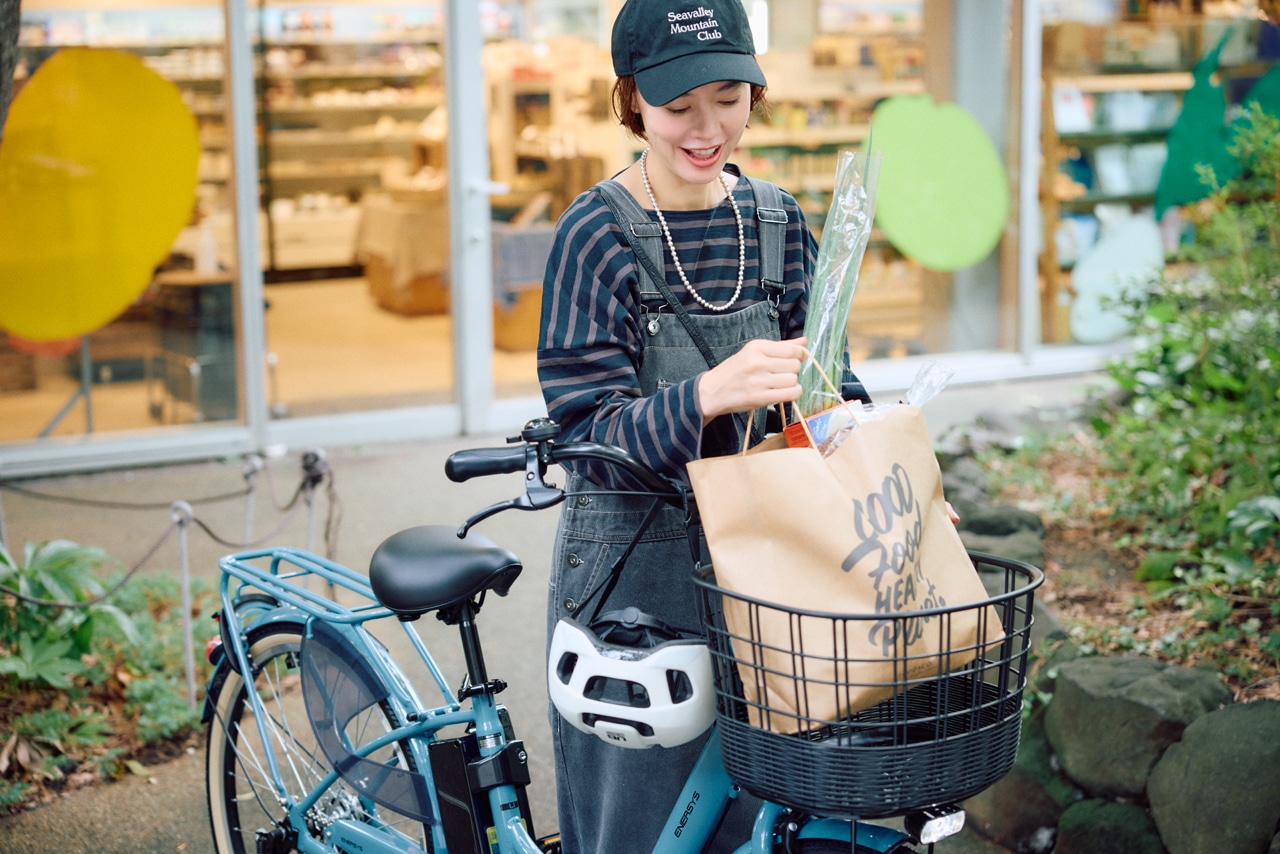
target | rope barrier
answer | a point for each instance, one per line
(315, 471)
(115, 505)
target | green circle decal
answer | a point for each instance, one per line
(943, 197)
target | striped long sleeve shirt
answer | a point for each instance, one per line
(591, 336)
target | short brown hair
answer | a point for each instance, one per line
(625, 93)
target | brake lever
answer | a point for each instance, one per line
(538, 494)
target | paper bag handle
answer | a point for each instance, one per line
(746, 438)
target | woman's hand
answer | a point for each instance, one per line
(761, 374)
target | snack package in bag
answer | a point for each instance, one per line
(863, 531)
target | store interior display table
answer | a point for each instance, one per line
(196, 360)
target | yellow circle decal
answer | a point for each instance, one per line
(97, 177)
(943, 196)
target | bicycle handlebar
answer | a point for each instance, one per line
(533, 451)
(482, 462)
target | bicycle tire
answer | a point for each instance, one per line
(241, 796)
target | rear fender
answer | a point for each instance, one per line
(226, 659)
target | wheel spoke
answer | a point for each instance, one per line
(243, 797)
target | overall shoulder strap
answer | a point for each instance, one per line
(652, 267)
(771, 220)
(642, 234)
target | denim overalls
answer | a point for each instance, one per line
(613, 800)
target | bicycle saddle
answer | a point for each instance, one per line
(429, 568)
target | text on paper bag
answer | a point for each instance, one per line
(889, 525)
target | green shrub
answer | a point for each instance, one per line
(160, 704)
(46, 643)
(13, 793)
(67, 673)
(1192, 453)
(40, 744)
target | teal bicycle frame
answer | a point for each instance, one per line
(278, 573)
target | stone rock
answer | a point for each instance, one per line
(1026, 546)
(1107, 827)
(1218, 789)
(1047, 625)
(964, 483)
(1112, 718)
(980, 436)
(1001, 520)
(1021, 810)
(1044, 674)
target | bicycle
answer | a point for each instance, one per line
(317, 741)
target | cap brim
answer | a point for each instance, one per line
(664, 83)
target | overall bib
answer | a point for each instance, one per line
(614, 800)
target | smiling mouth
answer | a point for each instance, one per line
(703, 153)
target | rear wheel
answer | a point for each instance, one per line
(243, 798)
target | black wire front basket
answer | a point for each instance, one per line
(811, 718)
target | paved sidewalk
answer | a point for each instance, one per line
(381, 489)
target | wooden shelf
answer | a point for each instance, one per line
(1087, 201)
(425, 35)
(329, 139)
(394, 71)
(809, 137)
(300, 108)
(1093, 138)
(863, 91)
(1054, 276)
(1150, 81)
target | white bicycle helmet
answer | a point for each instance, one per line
(631, 680)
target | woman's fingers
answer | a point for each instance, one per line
(762, 373)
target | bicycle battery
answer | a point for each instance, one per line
(463, 779)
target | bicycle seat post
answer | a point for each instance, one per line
(463, 616)
(470, 635)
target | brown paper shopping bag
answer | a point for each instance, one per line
(863, 531)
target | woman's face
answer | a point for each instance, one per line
(693, 136)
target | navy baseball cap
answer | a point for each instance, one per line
(673, 46)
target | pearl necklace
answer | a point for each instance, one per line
(737, 215)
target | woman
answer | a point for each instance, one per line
(619, 365)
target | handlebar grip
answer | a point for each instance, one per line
(480, 462)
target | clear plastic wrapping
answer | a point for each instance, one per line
(828, 429)
(844, 241)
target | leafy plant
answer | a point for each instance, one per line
(88, 687)
(1258, 519)
(12, 793)
(41, 642)
(1191, 454)
(43, 742)
(1180, 472)
(1199, 434)
(160, 703)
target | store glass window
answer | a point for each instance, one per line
(830, 64)
(827, 71)
(546, 78)
(119, 309)
(354, 222)
(1116, 199)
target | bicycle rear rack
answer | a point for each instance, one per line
(279, 572)
(286, 567)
